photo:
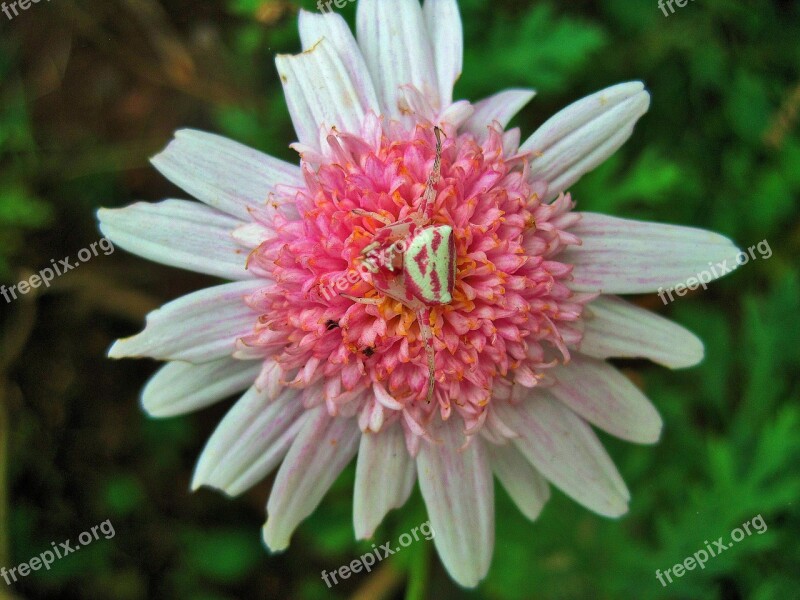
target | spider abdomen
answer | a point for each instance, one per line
(430, 265)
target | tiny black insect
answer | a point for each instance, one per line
(331, 324)
(369, 351)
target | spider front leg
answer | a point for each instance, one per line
(367, 301)
(387, 247)
(372, 215)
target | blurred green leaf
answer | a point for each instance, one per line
(223, 555)
(539, 48)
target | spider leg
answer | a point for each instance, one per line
(370, 248)
(423, 318)
(372, 215)
(372, 301)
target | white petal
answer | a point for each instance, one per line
(178, 233)
(385, 476)
(250, 441)
(252, 235)
(332, 27)
(180, 387)
(200, 327)
(587, 158)
(443, 22)
(224, 174)
(318, 454)
(617, 329)
(322, 94)
(501, 107)
(527, 488)
(563, 448)
(602, 395)
(622, 256)
(584, 134)
(459, 492)
(394, 41)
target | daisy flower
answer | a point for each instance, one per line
(417, 292)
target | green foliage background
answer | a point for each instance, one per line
(91, 89)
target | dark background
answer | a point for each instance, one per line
(90, 89)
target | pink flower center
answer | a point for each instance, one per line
(365, 259)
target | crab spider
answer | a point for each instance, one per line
(421, 267)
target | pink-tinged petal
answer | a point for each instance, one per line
(527, 488)
(501, 108)
(394, 41)
(269, 379)
(615, 328)
(457, 114)
(200, 327)
(318, 454)
(443, 22)
(224, 174)
(382, 396)
(457, 486)
(563, 448)
(385, 476)
(602, 395)
(415, 105)
(583, 135)
(249, 442)
(179, 387)
(178, 233)
(332, 27)
(622, 256)
(511, 140)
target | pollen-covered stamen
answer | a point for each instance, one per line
(423, 249)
